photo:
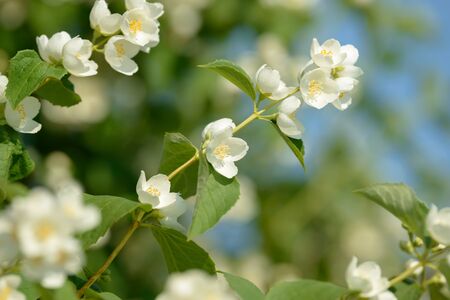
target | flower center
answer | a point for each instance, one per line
(326, 52)
(44, 230)
(5, 293)
(341, 95)
(135, 26)
(314, 87)
(120, 50)
(221, 151)
(21, 110)
(153, 191)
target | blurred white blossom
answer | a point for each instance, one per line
(93, 109)
(43, 226)
(222, 149)
(195, 285)
(246, 207)
(438, 224)
(8, 288)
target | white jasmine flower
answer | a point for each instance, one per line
(21, 118)
(222, 149)
(102, 20)
(140, 28)
(195, 285)
(155, 191)
(327, 55)
(269, 83)
(318, 89)
(218, 126)
(76, 55)
(155, 10)
(3, 85)
(366, 278)
(118, 53)
(171, 213)
(51, 50)
(438, 224)
(286, 119)
(8, 288)
(79, 216)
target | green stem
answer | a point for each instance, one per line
(407, 273)
(112, 256)
(184, 166)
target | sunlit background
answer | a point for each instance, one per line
(288, 223)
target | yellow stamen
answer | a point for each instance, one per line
(135, 26)
(44, 230)
(153, 191)
(325, 52)
(341, 95)
(314, 87)
(120, 50)
(221, 151)
(21, 110)
(5, 292)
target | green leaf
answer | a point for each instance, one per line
(234, 74)
(112, 210)
(108, 296)
(29, 289)
(437, 291)
(296, 145)
(15, 162)
(215, 196)
(181, 254)
(66, 292)
(178, 150)
(58, 92)
(402, 202)
(26, 73)
(305, 289)
(445, 269)
(408, 291)
(244, 288)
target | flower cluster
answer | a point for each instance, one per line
(331, 81)
(123, 36)
(195, 285)
(20, 118)
(39, 231)
(367, 280)
(156, 192)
